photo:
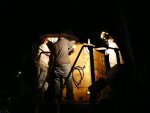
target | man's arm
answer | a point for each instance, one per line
(72, 49)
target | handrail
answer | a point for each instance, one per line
(85, 45)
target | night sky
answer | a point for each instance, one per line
(23, 21)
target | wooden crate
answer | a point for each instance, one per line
(82, 72)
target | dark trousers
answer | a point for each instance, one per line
(61, 72)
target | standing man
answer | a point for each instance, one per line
(111, 51)
(42, 60)
(114, 63)
(62, 66)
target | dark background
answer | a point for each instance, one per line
(23, 21)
